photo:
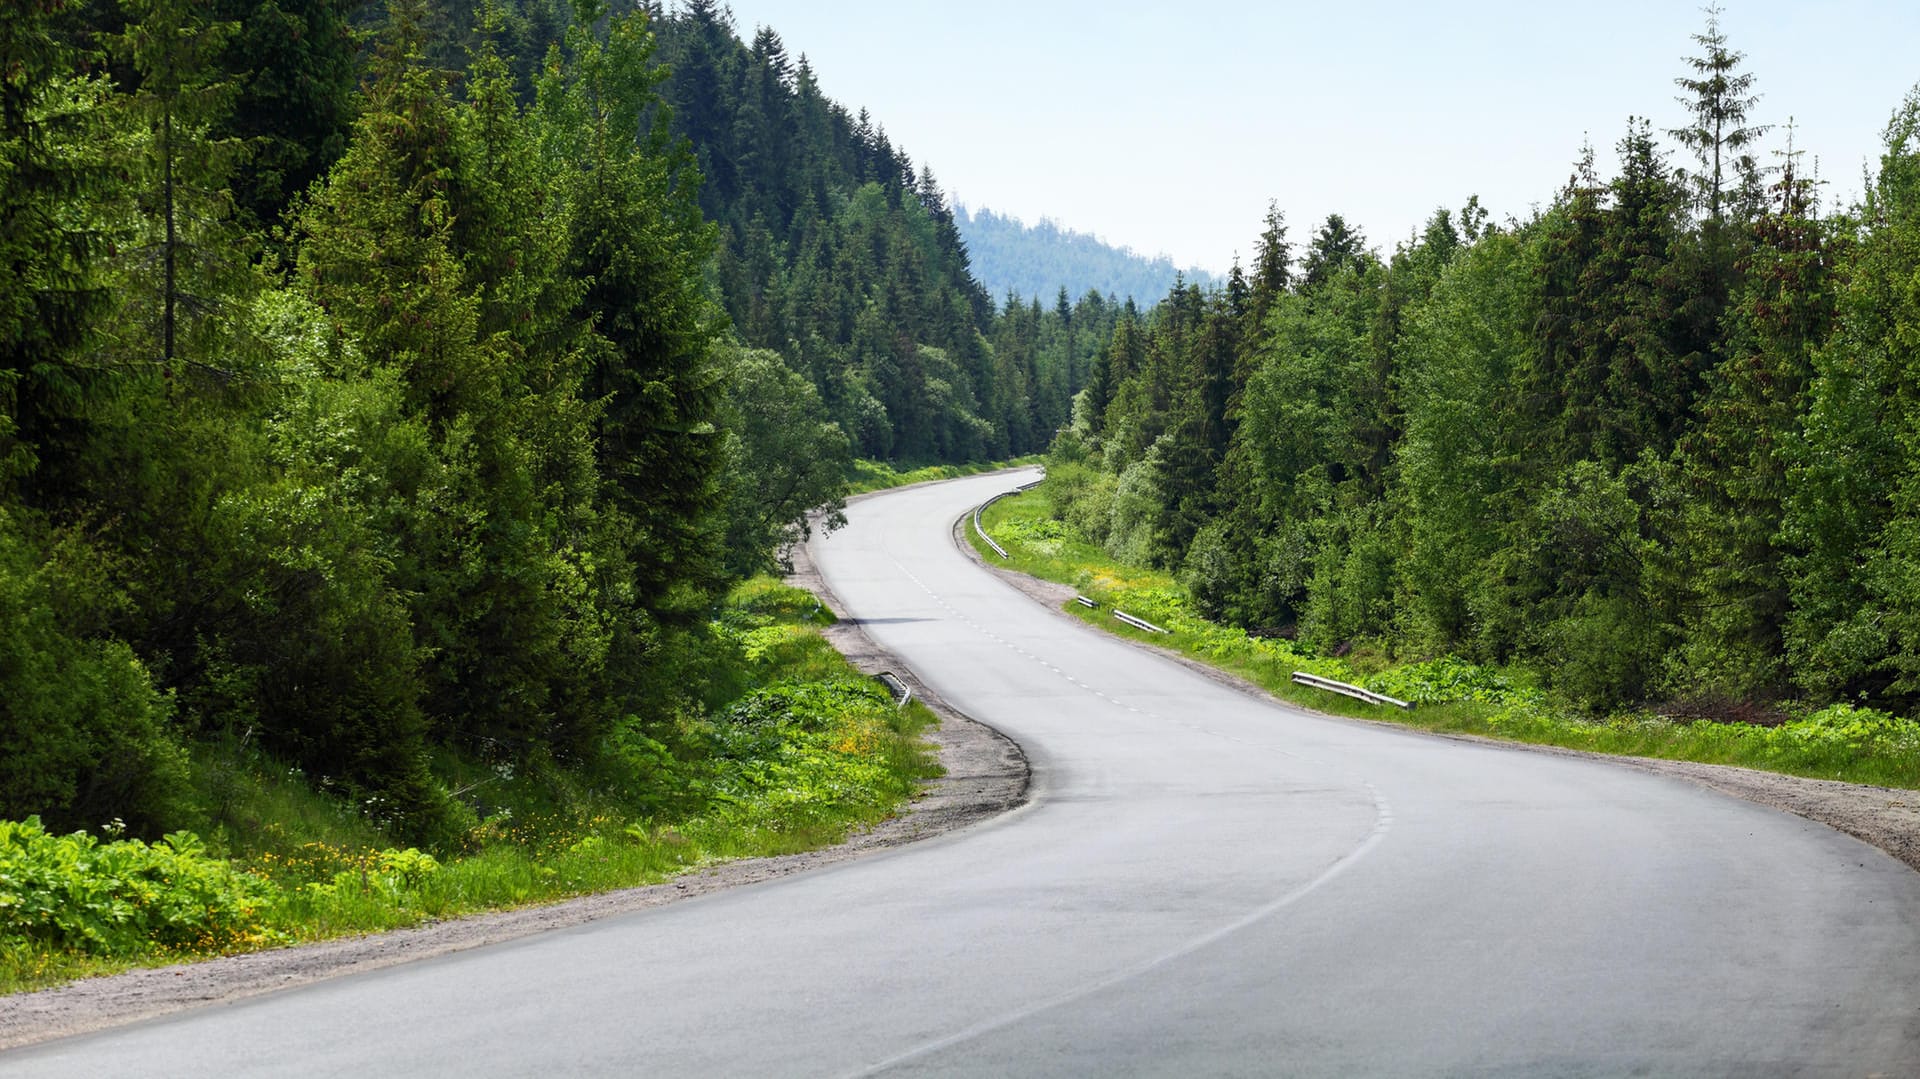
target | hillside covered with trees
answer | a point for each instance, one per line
(391, 396)
(1654, 443)
(379, 392)
(1017, 262)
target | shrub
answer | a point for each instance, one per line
(126, 897)
(85, 729)
(1448, 679)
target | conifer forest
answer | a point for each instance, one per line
(389, 384)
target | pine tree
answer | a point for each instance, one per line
(196, 256)
(293, 71)
(1720, 96)
(1852, 517)
(1336, 246)
(639, 241)
(1736, 459)
(56, 182)
(1272, 267)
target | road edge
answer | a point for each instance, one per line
(987, 775)
(1886, 818)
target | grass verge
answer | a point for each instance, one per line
(806, 751)
(1450, 695)
(871, 476)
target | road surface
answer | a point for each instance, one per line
(1203, 884)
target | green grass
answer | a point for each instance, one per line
(1450, 695)
(871, 476)
(807, 751)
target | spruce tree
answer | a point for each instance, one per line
(1736, 459)
(1721, 97)
(56, 187)
(193, 257)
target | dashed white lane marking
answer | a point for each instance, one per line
(1382, 823)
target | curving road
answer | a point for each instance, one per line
(1204, 884)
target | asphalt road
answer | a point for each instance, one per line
(1204, 884)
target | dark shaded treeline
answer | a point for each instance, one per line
(1657, 442)
(367, 394)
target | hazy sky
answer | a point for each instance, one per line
(1168, 127)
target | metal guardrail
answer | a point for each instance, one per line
(1347, 689)
(1085, 602)
(896, 686)
(997, 549)
(1022, 489)
(1137, 623)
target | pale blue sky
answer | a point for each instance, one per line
(1167, 128)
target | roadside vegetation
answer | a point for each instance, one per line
(870, 476)
(792, 750)
(1449, 694)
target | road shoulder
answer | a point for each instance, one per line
(986, 775)
(1883, 817)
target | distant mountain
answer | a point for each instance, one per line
(1032, 261)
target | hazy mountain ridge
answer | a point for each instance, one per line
(1036, 261)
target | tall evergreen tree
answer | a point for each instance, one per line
(57, 182)
(638, 240)
(1721, 97)
(1852, 516)
(1736, 459)
(183, 99)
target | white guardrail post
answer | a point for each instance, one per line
(1346, 689)
(896, 686)
(1137, 623)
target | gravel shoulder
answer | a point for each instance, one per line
(1883, 817)
(986, 775)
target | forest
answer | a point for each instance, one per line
(398, 390)
(1655, 445)
(391, 393)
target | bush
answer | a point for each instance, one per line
(84, 728)
(1448, 679)
(125, 898)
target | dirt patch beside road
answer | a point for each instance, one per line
(986, 774)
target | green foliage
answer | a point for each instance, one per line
(835, 252)
(800, 750)
(1456, 459)
(637, 242)
(87, 732)
(125, 897)
(866, 475)
(292, 63)
(1851, 513)
(57, 188)
(1449, 679)
(1737, 459)
(764, 597)
(1452, 694)
(1648, 443)
(789, 462)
